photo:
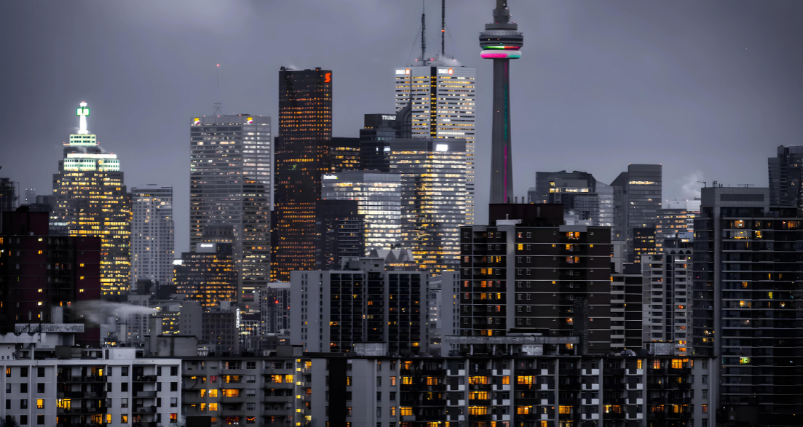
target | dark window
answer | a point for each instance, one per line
(40, 388)
(124, 371)
(40, 420)
(124, 386)
(23, 372)
(174, 369)
(174, 386)
(40, 372)
(23, 388)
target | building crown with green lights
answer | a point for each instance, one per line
(87, 161)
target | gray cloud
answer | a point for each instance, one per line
(698, 86)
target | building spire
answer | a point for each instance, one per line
(82, 112)
(424, 33)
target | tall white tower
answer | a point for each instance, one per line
(443, 106)
(152, 238)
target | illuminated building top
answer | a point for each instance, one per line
(86, 154)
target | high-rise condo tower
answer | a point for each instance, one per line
(501, 42)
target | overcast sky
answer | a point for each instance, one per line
(707, 88)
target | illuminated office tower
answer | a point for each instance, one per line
(302, 156)
(501, 42)
(637, 200)
(90, 200)
(379, 200)
(152, 238)
(433, 198)
(208, 274)
(443, 107)
(230, 183)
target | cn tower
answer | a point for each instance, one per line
(501, 42)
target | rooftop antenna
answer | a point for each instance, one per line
(218, 105)
(443, 28)
(424, 31)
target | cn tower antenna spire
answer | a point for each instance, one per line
(501, 41)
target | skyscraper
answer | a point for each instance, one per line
(786, 176)
(637, 200)
(230, 184)
(501, 42)
(8, 196)
(379, 197)
(442, 107)
(433, 198)
(746, 311)
(90, 199)
(302, 156)
(152, 238)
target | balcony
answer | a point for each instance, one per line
(145, 378)
(144, 394)
(144, 410)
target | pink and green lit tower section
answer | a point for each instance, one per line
(501, 42)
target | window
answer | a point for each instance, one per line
(23, 420)
(173, 418)
(124, 387)
(40, 372)
(656, 364)
(24, 372)
(392, 396)
(392, 411)
(23, 403)
(378, 381)
(23, 388)
(8, 372)
(705, 394)
(705, 408)
(392, 380)
(212, 406)
(525, 379)
(638, 364)
(40, 403)
(174, 386)
(124, 402)
(251, 365)
(40, 388)
(565, 410)
(406, 411)
(40, 420)
(124, 371)
(524, 410)
(705, 379)
(379, 396)
(173, 402)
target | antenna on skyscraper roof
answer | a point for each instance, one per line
(443, 28)
(424, 31)
(218, 104)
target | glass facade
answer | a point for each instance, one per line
(433, 198)
(379, 199)
(443, 106)
(637, 200)
(230, 182)
(208, 275)
(302, 156)
(90, 200)
(152, 238)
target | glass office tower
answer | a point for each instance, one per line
(90, 200)
(230, 181)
